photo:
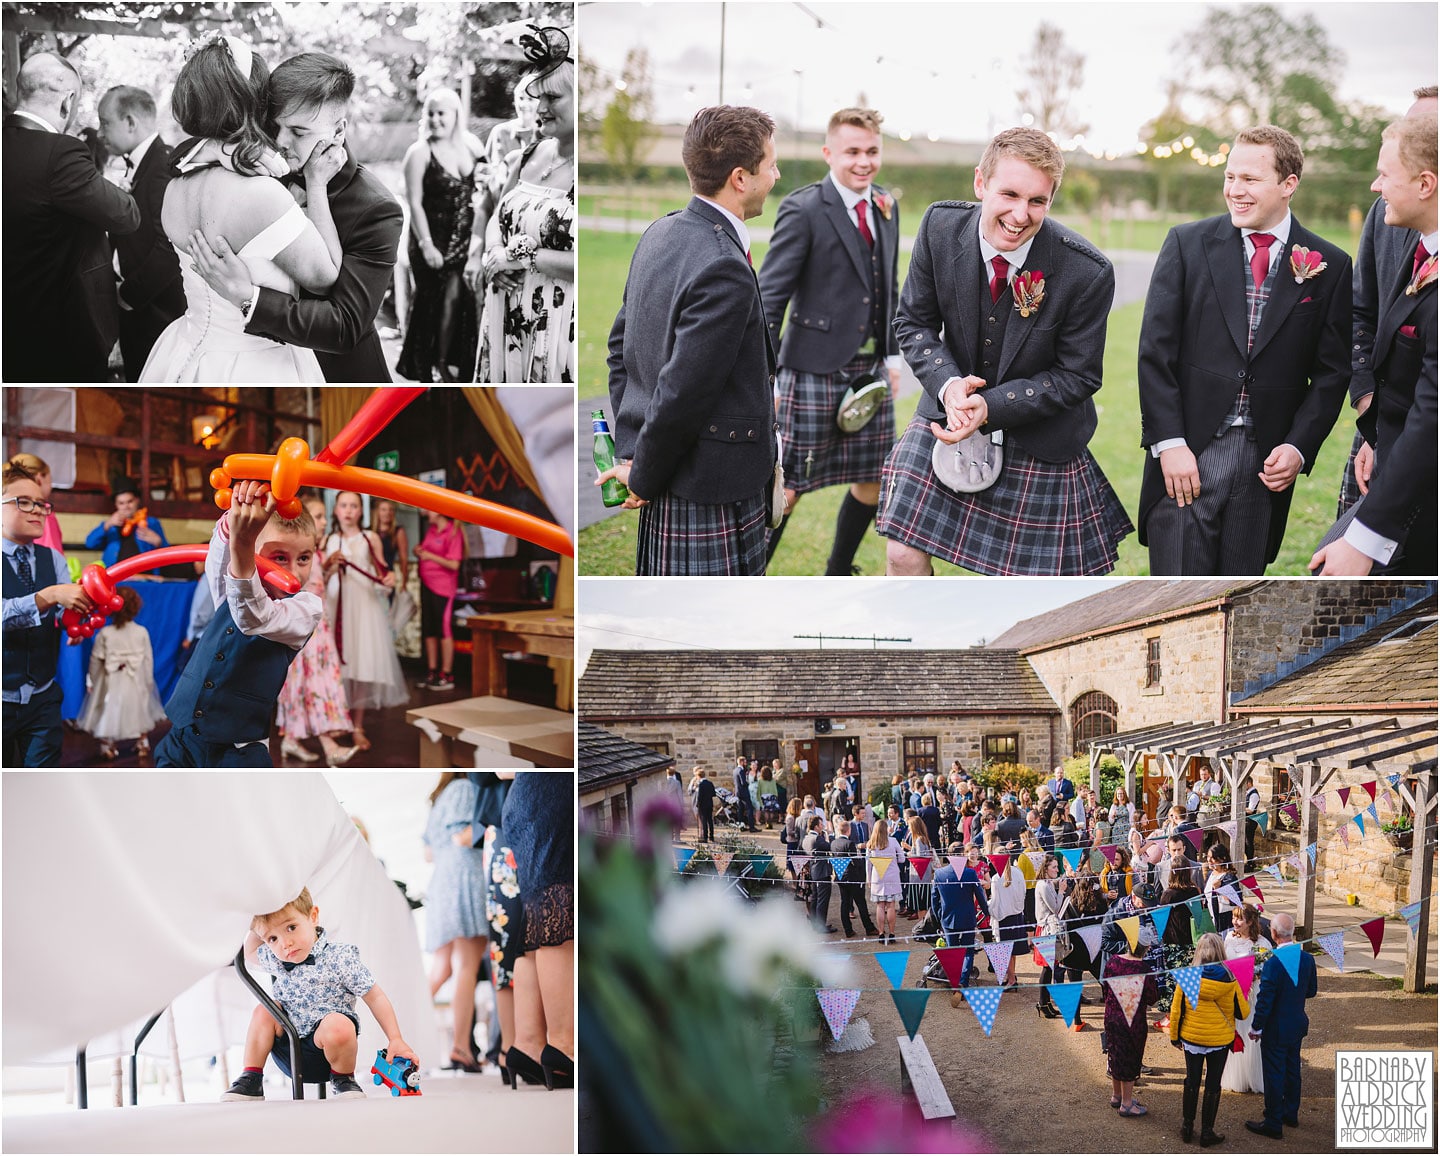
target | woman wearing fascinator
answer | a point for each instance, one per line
(527, 330)
(227, 186)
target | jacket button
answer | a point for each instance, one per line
(927, 353)
(229, 630)
(1029, 393)
(989, 342)
(750, 433)
(713, 429)
(864, 301)
(1249, 379)
(732, 435)
(938, 360)
(1361, 360)
(991, 320)
(1240, 373)
(1355, 347)
(220, 658)
(198, 714)
(209, 685)
(1011, 396)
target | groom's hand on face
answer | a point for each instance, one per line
(221, 269)
(326, 159)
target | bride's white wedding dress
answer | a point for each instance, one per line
(209, 343)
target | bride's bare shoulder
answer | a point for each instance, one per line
(226, 204)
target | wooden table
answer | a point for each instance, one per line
(547, 632)
(503, 732)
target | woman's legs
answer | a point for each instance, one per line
(452, 286)
(432, 646)
(505, 1009)
(1210, 1106)
(555, 967)
(440, 970)
(469, 951)
(1190, 1097)
(529, 1008)
(447, 655)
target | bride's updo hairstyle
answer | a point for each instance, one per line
(212, 98)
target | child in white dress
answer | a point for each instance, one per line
(123, 702)
(356, 603)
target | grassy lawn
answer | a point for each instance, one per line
(609, 548)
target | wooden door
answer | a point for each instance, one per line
(807, 753)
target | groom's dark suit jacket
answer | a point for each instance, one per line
(150, 271)
(340, 326)
(1195, 352)
(60, 315)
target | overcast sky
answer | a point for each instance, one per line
(743, 614)
(924, 66)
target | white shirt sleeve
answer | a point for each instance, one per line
(1168, 444)
(289, 620)
(1369, 543)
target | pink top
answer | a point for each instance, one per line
(51, 537)
(447, 543)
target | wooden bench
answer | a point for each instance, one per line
(918, 1074)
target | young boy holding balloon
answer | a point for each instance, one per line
(221, 707)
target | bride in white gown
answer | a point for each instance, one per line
(227, 190)
(1243, 1070)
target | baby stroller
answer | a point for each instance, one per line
(727, 808)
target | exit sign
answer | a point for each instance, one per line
(389, 462)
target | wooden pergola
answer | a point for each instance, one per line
(1314, 752)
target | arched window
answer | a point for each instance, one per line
(1093, 715)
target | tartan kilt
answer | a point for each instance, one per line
(678, 536)
(805, 408)
(1038, 517)
(1349, 488)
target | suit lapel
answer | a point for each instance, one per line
(1285, 291)
(1225, 254)
(847, 231)
(967, 294)
(1040, 258)
(1395, 306)
(703, 210)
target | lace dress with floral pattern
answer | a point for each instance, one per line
(312, 702)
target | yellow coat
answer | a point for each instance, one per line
(1211, 1022)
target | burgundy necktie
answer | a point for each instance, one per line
(1422, 255)
(864, 224)
(1260, 259)
(749, 260)
(1001, 278)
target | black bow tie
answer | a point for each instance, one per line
(310, 959)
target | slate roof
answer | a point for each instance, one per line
(1364, 671)
(606, 759)
(1130, 603)
(635, 684)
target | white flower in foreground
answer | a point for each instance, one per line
(691, 915)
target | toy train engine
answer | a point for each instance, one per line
(401, 1076)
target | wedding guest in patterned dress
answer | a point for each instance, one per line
(1125, 1035)
(312, 702)
(440, 174)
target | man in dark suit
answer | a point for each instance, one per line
(957, 900)
(818, 870)
(1393, 527)
(691, 367)
(1280, 1023)
(705, 804)
(60, 316)
(151, 292)
(740, 780)
(1002, 318)
(834, 259)
(851, 881)
(1244, 363)
(1383, 252)
(308, 97)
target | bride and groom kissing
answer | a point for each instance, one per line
(286, 244)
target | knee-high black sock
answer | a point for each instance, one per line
(772, 538)
(851, 523)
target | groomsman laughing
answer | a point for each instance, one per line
(1244, 364)
(834, 259)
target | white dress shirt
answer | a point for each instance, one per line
(851, 199)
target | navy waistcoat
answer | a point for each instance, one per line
(31, 654)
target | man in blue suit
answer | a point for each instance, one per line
(954, 901)
(1280, 1023)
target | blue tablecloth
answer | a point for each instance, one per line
(165, 613)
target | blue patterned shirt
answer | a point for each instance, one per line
(309, 992)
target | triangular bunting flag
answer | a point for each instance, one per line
(879, 864)
(1334, 945)
(1310, 851)
(1196, 838)
(1369, 789)
(1375, 932)
(721, 860)
(1072, 857)
(1243, 969)
(1319, 802)
(999, 862)
(1296, 862)
(1161, 916)
(1067, 999)
(958, 862)
(838, 1005)
(1090, 936)
(1344, 793)
(683, 855)
(1373, 813)
(1250, 882)
(1229, 828)
(1411, 912)
(1110, 854)
(1200, 921)
(1189, 980)
(840, 864)
(1344, 832)
(1037, 858)
(1274, 870)
(999, 954)
(1289, 955)
(1262, 819)
(1232, 893)
(1292, 810)
(1384, 803)
(911, 1006)
(919, 864)
(1359, 818)
(952, 959)
(985, 1003)
(1045, 945)
(1131, 927)
(1393, 780)
(892, 963)
(1128, 989)
(799, 862)
(759, 864)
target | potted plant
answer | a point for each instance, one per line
(1400, 831)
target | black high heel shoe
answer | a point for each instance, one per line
(504, 1072)
(558, 1067)
(522, 1067)
(1048, 1010)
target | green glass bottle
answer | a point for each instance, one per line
(612, 492)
